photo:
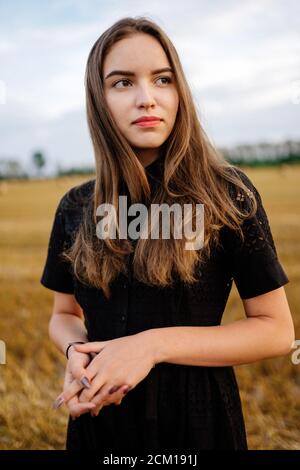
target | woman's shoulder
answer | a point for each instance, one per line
(247, 201)
(234, 190)
(77, 196)
(73, 204)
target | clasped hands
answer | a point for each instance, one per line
(118, 366)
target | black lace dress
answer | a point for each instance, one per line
(176, 407)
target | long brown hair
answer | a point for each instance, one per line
(194, 172)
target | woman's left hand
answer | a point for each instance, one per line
(121, 361)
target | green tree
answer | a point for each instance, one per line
(39, 161)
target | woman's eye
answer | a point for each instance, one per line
(127, 81)
(119, 81)
(165, 78)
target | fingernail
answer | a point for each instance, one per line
(85, 381)
(59, 401)
(114, 389)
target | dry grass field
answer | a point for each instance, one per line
(33, 374)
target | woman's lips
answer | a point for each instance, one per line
(147, 123)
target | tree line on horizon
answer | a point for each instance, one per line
(255, 155)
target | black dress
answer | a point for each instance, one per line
(176, 407)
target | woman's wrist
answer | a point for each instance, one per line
(70, 347)
(71, 350)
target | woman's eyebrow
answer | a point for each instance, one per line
(128, 73)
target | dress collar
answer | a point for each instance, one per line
(154, 172)
(156, 168)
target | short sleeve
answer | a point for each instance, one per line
(254, 262)
(57, 274)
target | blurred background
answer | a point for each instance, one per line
(242, 61)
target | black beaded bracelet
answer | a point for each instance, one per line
(71, 344)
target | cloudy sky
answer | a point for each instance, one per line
(241, 59)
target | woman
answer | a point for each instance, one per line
(148, 309)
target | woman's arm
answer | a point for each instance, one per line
(66, 324)
(268, 331)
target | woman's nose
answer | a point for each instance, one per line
(145, 97)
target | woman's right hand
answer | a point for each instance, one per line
(75, 369)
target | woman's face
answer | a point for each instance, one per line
(140, 93)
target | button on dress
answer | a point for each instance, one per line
(176, 407)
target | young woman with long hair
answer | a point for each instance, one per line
(143, 314)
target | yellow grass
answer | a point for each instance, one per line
(33, 375)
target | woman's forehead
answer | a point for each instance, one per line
(138, 55)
